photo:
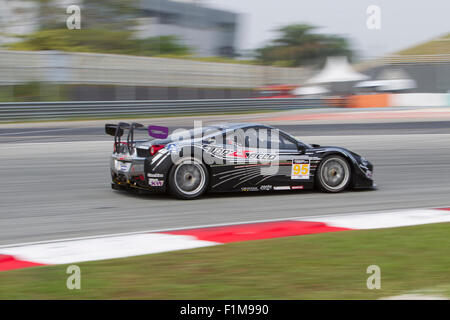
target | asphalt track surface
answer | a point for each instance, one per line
(55, 182)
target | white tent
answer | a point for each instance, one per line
(390, 80)
(337, 69)
(388, 85)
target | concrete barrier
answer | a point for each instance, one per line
(420, 100)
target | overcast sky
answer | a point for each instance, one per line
(403, 22)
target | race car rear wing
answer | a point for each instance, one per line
(158, 132)
(130, 136)
(117, 130)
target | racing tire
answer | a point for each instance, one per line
(333, 174)
(188, 179)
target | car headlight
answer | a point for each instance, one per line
(364, 162)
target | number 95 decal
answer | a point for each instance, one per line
(300, 170)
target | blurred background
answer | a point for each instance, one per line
(301, 66)
(358, 52)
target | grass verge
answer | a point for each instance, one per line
(322, 266)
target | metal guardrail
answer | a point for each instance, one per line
(35, 111)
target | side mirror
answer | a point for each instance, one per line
(301, 149)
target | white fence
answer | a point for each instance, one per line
(110, 69)
(420, 100)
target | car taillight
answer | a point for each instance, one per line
(154, 149)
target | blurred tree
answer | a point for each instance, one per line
(87, 40)
(107, 26)
(118, 14)
(50, 16)
(100, 41)
(110, 14)
(164, 45)
(299, 45)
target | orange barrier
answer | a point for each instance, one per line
(368, 101)
(336, 102)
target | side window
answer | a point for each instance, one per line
(262, 138)
(216, 138)
(234, 138)
(273, 139)
(247, 138)
(280, 142)
(251, 138)
(287, 144)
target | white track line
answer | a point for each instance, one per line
(105, 248)
(149, 242)
(37, 131)
(302, 218)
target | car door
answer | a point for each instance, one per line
(253, 162)
(227, 161)
(295, 163)
(276, 161)
(276, 168)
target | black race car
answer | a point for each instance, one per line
(229, 157)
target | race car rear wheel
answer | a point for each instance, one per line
(333, 174)
(188, 179)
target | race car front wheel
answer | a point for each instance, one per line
(188, 179)
(333, 174)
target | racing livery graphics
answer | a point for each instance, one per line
(240, 157)
(245, 154)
